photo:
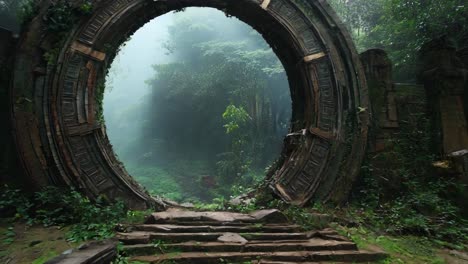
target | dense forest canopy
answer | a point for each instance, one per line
(401, 27)
(212, 114)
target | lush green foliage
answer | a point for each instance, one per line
(401, 27)
(26, 10)
(51, 56)
(402, 249)
(55, 207)
(99, 100)
(9, 236)
(14, 199)
(407, 196)
(158, 178)
(235, 118)
(400, 192)
(62, 15)
(59, 17)
(214, 117)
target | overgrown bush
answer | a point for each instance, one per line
(26, 10)
(55, 207)
(59, 17)
(407, 196)
(62, 14)
(14, 203)
(401, 27)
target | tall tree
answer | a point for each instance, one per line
(401, 27)
(220, 75)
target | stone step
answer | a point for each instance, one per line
(262, 261)
(265, 246)
(93, 252)
(265, 236)
(142, 237)
(202, 223)
(168, 228)
(175, 215)
(297, 256)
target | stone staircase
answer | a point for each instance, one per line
(266, 236)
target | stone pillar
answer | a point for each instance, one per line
(384, 119)
(445, 79)
(463, 55)
(460, 161)
(378, 69)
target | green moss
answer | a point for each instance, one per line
(158, 181)
(99, 95)
(44, 258)
(27, 10)
(86, 8)
(400, 193)
(404, 249)
(51, 56)
(32, 244)
(60, 17)
(135, 217)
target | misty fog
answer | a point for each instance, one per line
(197, 105)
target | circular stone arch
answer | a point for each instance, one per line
(62, 139)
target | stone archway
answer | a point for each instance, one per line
(62, 141)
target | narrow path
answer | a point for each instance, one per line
(266, 236)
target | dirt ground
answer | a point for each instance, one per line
(454, 256)
(35, 244)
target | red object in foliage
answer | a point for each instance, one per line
(208, 181)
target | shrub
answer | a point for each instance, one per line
(408, 197)
(55, 207)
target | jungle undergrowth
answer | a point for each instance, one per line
(406, 196)
(88, 220)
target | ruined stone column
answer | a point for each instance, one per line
(378, 69)
(445, 79)
(459, 160)
(384, 119)
(463, 55)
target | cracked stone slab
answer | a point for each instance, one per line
(232, 238)
(174, 215)
(270, 216)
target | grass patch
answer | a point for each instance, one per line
(88, 220)
(402, 249)
(44, 258)
(33, 244)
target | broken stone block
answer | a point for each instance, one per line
(270, 216)
(233, 238)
